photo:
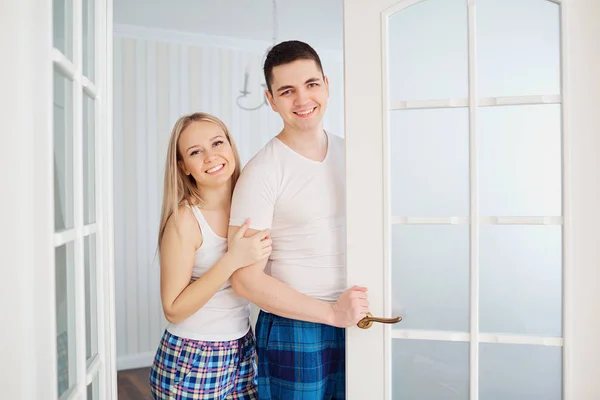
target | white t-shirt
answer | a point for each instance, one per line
(225, 316)
(303, 203)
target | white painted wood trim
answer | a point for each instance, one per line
(89, 229)
(64, 64)
(581, 141)
(473, 206)
(482, 102)
(89, 87)
(78, 243)
(64, 237)
(404, 220)
(517, 339)
(444, 336)
(424, 104)
(519, 100)
(28, 355)
(567, 230)
(108, 342)
(449, 336)
(555, 220)
(364, 190)
(387, 225)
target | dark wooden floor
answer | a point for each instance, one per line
(133, 384)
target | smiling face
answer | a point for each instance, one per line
(206, 154)
(300, 95)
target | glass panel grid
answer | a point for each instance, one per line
(544, 384)
(75, 129)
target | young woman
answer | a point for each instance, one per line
(207, 350)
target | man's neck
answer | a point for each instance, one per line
(310, 144)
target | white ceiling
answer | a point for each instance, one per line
(317, 22)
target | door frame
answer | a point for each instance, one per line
(29, 361)
(105, 171)
(28, 242)
(368, 370)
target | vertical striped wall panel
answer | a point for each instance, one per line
(155, 82)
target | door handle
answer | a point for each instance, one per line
(367, 321)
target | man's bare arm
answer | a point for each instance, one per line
(278, 298)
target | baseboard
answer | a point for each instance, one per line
(135, 361)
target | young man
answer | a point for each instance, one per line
(295, 187)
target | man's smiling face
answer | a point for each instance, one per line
(300, 94)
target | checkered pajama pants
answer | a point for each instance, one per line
(186, 369)
(299, 360)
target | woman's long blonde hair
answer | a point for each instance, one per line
(178, 186)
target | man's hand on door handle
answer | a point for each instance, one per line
(350, 307)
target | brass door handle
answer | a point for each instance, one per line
(367, 321)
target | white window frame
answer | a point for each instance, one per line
(29, 367)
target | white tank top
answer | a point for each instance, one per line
(225, 316)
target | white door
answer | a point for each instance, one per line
(57, 93)
(472, 133)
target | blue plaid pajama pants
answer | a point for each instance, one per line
(299, 360)
(186, 369)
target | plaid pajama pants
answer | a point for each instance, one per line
(299, 360)
(186, 369)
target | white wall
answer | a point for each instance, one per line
(317, 22)
(158, 76)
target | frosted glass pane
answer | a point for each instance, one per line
(520, 160)
(66, 359)
(521, 279)
(91, 305)
(63, 152)
(428, 51)
(89, 160)
(429, 162)
(62, 25)
(88, 38)
(520, 372)
(428, 370)
(93, 390)
(430, 276)
(518, 47)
